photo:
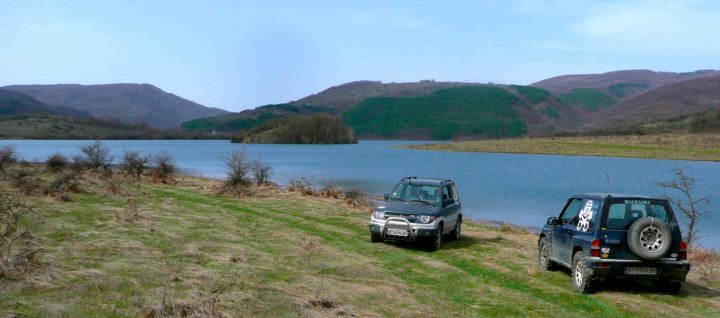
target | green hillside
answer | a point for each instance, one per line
(234, 123)
(446, 113)
(60, 127)
(588, 99)
(300, 129)
(533, 95)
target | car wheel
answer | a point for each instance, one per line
(375, 237)
(649, 238)
(436, 241)
(544, 256)
(455, 234)
(668, 286)
(581, 278)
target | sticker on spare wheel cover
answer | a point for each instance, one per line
(585, 216)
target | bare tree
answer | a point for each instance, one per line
(134, 163)
(97, 155)
(687, 203)
(164, 166)
(8, 155)
(237, 177)
(261, 172)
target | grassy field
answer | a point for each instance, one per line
(153, 250)
(663, 146)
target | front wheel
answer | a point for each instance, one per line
(375, 237)
(436, 240)
(582, 280)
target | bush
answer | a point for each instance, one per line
(8, 156)
(301, 185)
(97, 155)
(261, 172)
(237, 177)
(19, 249)
(25, 181)
(357, 199)
(134, 164)
(77, 164)
(56, 163)
(63, 184)
(164, 167)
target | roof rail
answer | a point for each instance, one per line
(408, 178)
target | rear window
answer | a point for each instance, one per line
(623, 212)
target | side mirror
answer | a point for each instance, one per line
(448, 202)
(552, 221)
(386, 196)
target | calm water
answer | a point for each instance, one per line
(520, 189)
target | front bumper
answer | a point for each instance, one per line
(416, 231)
(672, 270)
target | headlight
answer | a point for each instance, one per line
(378, 214)
(425, 219)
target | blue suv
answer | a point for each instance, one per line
(418, 209)
(601, 236)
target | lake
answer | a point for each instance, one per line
(514, 188)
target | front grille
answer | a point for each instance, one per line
(410, 217)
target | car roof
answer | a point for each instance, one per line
(426, 181)
(614, 195)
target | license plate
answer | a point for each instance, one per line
(396, 232)
(651, 271)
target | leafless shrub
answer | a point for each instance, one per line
(688, 203)
(8, 155)
(97, 155)
(19, 249)
(56, 163)
(63, 184)
(706, 264)
(134, 164)
(301, 185)
(329, 190)
(25, 181)
(113, 184)
(77, 165)
(202, 305)
(164, 167)
(261, 172)
(237, 177)
(357, 199)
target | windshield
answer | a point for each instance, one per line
(417, 193)
(623, 212)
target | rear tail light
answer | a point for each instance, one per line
(595, 248)
(683, 250)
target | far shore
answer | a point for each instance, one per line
(699, 147)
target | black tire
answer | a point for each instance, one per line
(544, 256)
(436, 240)
(581, 278)
(668, 286)
(649, 238)
(455, 233)
(375, 237)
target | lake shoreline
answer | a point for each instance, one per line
(692, 147)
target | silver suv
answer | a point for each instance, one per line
(418, 209)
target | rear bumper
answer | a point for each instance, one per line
(416, 231)
(671, 270)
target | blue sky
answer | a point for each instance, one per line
(242, 54)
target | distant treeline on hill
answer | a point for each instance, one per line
(317, 128)
(470, 111)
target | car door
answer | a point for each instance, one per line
(563, 230)
(451, 207)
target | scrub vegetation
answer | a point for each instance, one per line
(661, 146)
(119, 246)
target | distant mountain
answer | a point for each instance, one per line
(129, 103)
(14, 103)
(664, 102)
(618, 84)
